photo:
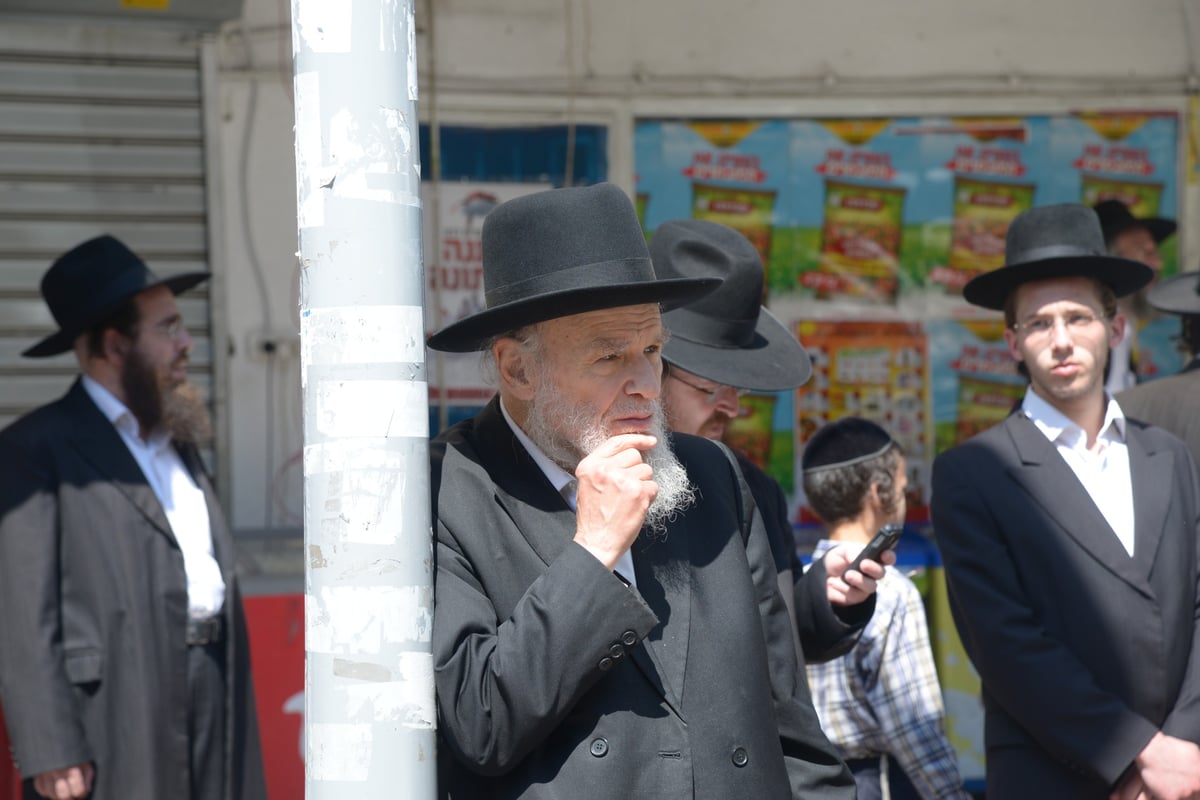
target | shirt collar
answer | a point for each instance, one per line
(1054, 424)
(557, 476)
(118, 414)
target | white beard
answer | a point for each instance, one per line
(566, 434)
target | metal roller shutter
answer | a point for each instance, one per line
(101, 131)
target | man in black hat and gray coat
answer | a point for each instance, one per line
(1137, 239)
(1069, 536)
(607, 618)
(725, 343)
(1173, 402)
(124, 666)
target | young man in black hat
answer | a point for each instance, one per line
(719, 345)
(1136, 239)
(607, 619)
(124, 667)
(1173, 402)
(1069, 536)
(881, 703)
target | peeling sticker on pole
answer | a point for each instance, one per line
(363, 335)
(346, 408)
(407, 698)
(372, 149)
(310, 205)
(339, 751)
(324, 27)
(366, 620)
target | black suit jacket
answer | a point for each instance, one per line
(556, 680)
(93, 612)
(1084, 652)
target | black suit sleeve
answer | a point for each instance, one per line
(38, 698)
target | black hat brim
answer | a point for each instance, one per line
(1159, 228)
(1179, 295)
(773, 362)
(474, 332)
(1122, 275)
(64, 339)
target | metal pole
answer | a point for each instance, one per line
(369, 702)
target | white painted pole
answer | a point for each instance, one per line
(369, 702)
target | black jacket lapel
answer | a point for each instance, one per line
(1150, 496)
(1050, 482)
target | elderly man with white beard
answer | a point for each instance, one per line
(607, 617)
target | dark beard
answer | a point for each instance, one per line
(178, 410)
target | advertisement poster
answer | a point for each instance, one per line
(874, 370)
(454, 285)
(896, 212)
(869, 228)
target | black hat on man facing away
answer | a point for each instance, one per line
(1179, 295)
(561, 252)
(89, 282)
(1059, 241)
(1115, 218)
(725, 336)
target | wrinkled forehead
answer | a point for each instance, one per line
(624, 324)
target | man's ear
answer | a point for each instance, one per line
(513, 368)
(116, 346)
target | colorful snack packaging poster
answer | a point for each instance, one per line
(983, 402)
(876, 370)
(982, 211)
(1141, 198)
(752, 430)
(748, 211)
(860, 242)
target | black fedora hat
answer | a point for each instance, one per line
(89, 282)
(1059, 241)
(1116, 217)
(726, 336)
(1179, 295)
(561, 252)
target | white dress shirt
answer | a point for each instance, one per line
(181, 498)
(1105, 474)
(564, 483)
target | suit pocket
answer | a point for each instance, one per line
(84, 666)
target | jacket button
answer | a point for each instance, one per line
(739, 757)
(605, 664)
(599, 747)
(629, 638)
(616, 651)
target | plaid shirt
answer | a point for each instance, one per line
(884, 696)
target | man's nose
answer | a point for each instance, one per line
(726, 400)
(646, 380)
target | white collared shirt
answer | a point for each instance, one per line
(560, 479)
(1106, 474)
(181, 499)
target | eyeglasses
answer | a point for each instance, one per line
(171, 329)
(1041, 328)
(713, 393)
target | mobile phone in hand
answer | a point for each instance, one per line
(886, 539)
